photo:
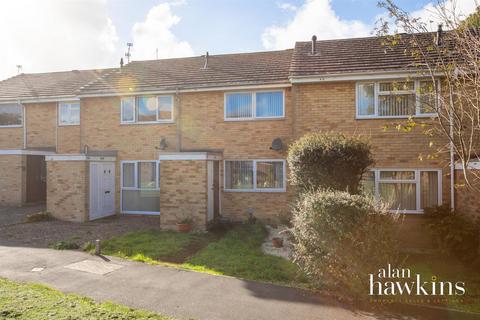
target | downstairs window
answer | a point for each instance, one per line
(255, 175)
(140, 187)
(405, 190)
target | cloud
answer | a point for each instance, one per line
(430, 16)
(287, 6)
(51, 35)
(313, 17)
(155, 33)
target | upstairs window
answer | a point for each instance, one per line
(396, 99)
(147, 109)
(254, 105)
(69, 113)
(11, 115)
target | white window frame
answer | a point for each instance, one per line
(135, 110)
(416, 181)
(377, 93)
(254, 105)
(69, 105)
(135, 187)
(23, 116)
(255, 189)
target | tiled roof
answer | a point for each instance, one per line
(46, 85)
(183, 73)
(371, 54)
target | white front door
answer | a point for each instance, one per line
(102, 189)
(210, 190)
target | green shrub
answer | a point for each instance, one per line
(66, 245)
(328, 160)
(454, 233)
(340, 238)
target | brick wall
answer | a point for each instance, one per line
(41, 124)
(467, 200)
(11, 138)
(67, 190)
(12, 180)
(183, 192)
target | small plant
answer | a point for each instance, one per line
(185, 223)
(38, 216)
(185, 220)
(454, 233)
(66, 245)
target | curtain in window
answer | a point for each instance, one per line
(239, 105)
(269, 175)
(366, 99)
(396, 105)
(239, 174)
(165, 107)
(269, 104)
(128, 109)
(400, 196)
(147, 109)
(429, 188)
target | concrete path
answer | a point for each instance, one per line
(177, 293)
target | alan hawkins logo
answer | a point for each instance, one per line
(399, 281)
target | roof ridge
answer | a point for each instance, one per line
(102, 76)
(369, 37)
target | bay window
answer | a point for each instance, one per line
(69, 113)
(140, 187)
(255, 175)
(11, 115)
(396, 99)
(254, 105)
(147, 109)
(405, 190)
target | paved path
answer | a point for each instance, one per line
(177, 293)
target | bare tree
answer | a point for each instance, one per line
(451, 56)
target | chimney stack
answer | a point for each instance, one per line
(314, 44)
(205, 66)
(439, 35)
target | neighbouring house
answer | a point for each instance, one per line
(207, 136)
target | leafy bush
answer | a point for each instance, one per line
(453, 232)
(328, 160)
(66, 245)
(340, 238)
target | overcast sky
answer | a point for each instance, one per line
(54, 35)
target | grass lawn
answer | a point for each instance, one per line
(238, 253)
(37, 302)
(449, 269)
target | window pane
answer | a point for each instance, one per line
(397, 175)
(11, 114)
(141, 200)
(366, 99)
(396, 105)
(64, 113)
(427, 97)
(269, 104)
(367, 184)
(165, 107)
(400, 196)
(429, 188)
(269, 175)
(239, 105)
(147, 109)
(239, 174)
(396, 86)
(74, 113)
(128, 175)
(147, 175)
(128, 109)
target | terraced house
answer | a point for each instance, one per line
(207, 136)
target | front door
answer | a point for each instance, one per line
(213, 190)
(36, 179)
(102, 189)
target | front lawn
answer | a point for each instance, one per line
(38, 302)
(238, 253)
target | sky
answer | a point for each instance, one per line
(57, 35)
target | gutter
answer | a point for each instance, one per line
(359, 76)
